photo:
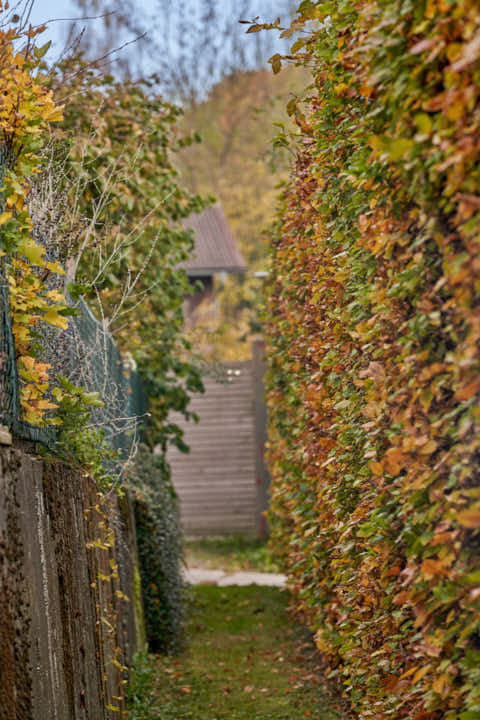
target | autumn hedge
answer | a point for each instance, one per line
(373, 333)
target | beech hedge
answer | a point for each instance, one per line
(373, 348)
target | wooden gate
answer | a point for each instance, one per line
(222, 481)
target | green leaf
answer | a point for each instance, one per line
(39, 52)
(92, 398)
(76, 290)
(276, 63)
(33, 252)
(424, 123)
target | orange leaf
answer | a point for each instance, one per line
(431, 568)
(376, 468)
(420, 674)
(468, 391)
(470, 518)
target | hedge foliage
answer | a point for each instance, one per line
(160, 552)
(374, 377)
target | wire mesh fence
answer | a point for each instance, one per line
(86, 355)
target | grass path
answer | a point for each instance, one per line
(230, 554)
(246, 660)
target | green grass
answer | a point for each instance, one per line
(247, 660)
(230, 554)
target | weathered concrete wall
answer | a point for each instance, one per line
(69, 616)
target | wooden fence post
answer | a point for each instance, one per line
(261, 472)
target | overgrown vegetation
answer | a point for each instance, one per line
(93, 208)
(28, 108)
(374, 353)
(124, 227)
(160, 552)
(141, 701)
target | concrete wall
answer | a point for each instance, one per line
(70, 617)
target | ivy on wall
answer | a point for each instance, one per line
(373, 332)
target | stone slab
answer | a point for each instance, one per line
(205, 576)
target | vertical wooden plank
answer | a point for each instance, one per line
(262, 476)
(216, 482)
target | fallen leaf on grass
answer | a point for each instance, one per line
(248, 688)
(186, 689)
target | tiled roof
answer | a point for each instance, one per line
(215, 246)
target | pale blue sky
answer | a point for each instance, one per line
(44, 10)
(168, 39)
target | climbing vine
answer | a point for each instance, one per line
(373, 337)
(26, 111)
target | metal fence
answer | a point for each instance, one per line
(87, 355)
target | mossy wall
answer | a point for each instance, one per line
(69, 620)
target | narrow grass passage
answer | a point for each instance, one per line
(230, 554)
(245, 660)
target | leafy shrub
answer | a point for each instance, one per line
(160, 552)
(374, 353)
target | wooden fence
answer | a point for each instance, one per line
(222, 482)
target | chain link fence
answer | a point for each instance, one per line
(86, 355)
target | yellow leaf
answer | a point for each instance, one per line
(428, 448)
(46, 405)
(53, 318)
(376, 468)
(54, 115)
(32, 252)
(409, 672)
(55, 296)
(455, 111)
(440, 683)
(55, 267)
(5, 217)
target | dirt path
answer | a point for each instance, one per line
(246, 660)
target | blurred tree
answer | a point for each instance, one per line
(201, 58)
(187, 47)
(236, 163)
(121, 217)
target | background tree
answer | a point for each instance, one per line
(122, 217)
(235, 163)
(203, 59)
(188, 47)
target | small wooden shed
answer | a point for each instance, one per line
(215, 253)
